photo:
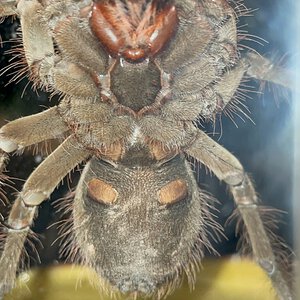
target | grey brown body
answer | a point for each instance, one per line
(136, 243)
(139, 219)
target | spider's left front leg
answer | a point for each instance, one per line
(227, 168)
(37, 188)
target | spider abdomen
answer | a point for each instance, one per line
(151, 232)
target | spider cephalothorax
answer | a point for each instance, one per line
(135, 77)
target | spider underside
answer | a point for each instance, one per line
(129, 109)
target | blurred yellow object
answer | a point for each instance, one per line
(220, 279)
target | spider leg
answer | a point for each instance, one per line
(3, 162)
(13, 247)
(33, 129)
(36, 189)
(52, 170)
(52, 70)
(28, 131)
(47, 68)
(255, 66)
(3, 158)
(261, 68)
(226, 167)
(37, 40)
(68, 30)
(8, 8)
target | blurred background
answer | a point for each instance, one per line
(264, 146)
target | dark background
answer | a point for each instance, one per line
(264, 148)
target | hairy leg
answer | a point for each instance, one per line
(3, 162)
(226, 167)
(261, 68)
(36, 189)
(31, 130)
(52, 170)
(255, 66)
(37, 36)
(37, 40)
(8, 8)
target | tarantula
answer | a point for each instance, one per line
(135, 78)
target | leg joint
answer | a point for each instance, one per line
(244, 193)
(235, 177)
(268, 265)
(21, 216)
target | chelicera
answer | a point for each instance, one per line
(137, 33)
